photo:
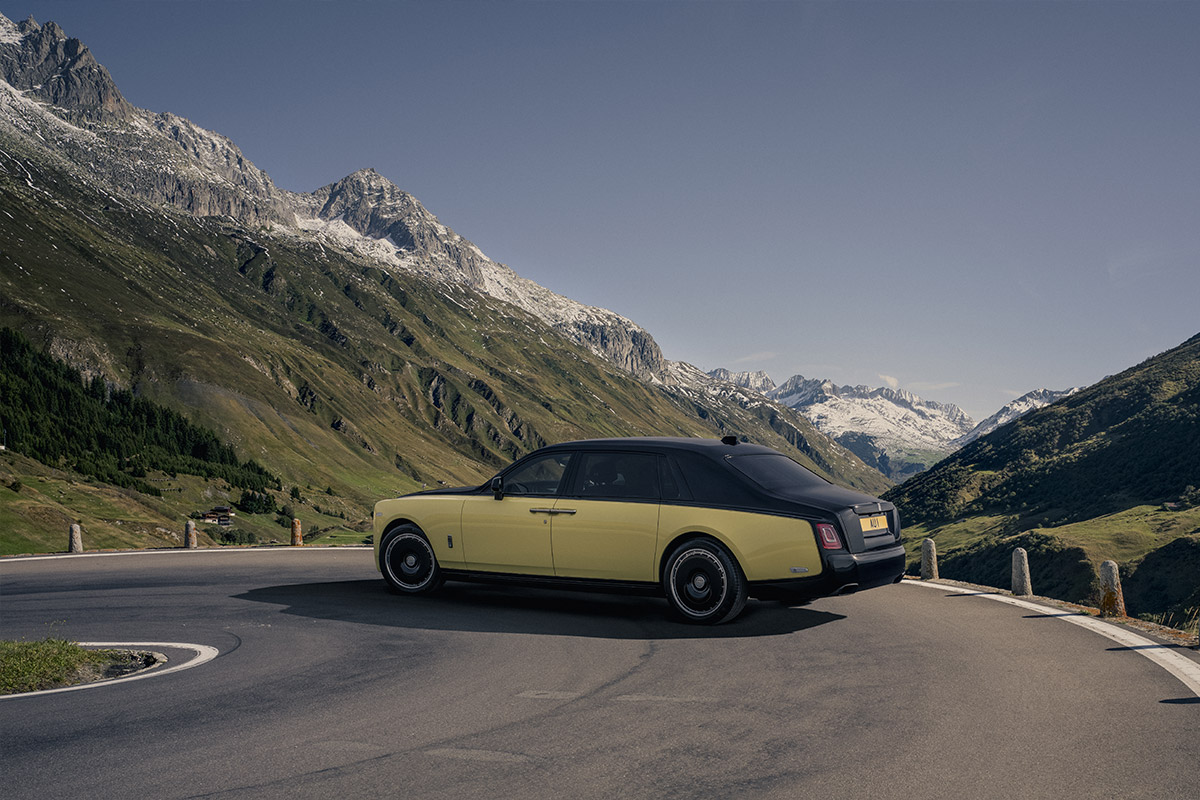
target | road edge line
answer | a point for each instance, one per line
(1185, 670)
(162, 551)
(203, 654)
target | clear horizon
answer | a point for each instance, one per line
(968, 201)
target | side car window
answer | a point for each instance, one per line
(540, 476)
(627, 476)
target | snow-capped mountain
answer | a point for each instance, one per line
(1017, 408)
(56, 94)
(758, 381)
(897, 432)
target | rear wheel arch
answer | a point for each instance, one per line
(691, 536)
(702, 580)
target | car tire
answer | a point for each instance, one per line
(408, 562)
(703, 583)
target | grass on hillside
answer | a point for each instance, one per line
(53, 663)
(39, 503)
(1152, 545)
(1120, 537)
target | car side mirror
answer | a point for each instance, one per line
(498, 487)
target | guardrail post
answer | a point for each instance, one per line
(929, 569)
(1112, 599)
(189, 535)
(1021, 585)
(75, 539)
(297, 537)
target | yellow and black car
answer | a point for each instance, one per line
(704, 522)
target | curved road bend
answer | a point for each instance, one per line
(326, 685)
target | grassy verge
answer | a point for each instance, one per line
(1187, 620)
(54, 663)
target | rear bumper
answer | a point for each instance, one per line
(844, 572)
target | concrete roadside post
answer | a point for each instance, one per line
(1112, 599)
(929, 569)
(1021, 585)
(75, 540)
(189, 535)
(297, 537)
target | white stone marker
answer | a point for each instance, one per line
(929, 569)
(1112, 599)
(1021, 585)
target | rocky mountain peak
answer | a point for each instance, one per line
(42, 61)
(164, 158)
(1031, 401)
(757, 381)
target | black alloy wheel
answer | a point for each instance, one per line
(703, 583)
(409, 564)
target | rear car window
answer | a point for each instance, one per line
(710, 482)
(776, 473)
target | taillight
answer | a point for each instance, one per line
(828, 536)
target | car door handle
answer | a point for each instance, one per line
(551, 511)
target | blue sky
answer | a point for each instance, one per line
(969, 200)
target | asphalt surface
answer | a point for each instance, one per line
(328, 686)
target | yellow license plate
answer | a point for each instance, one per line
(876, 523)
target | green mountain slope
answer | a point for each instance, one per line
(319, 365)
(1088, 476)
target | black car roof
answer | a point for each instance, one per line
(713, 448)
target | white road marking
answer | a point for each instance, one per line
(203, 654)
(1186, 670)
(182, 551)
(466, 754)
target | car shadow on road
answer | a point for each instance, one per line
(458, 607)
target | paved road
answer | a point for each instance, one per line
(327, 686)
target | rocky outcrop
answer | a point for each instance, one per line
(376, 208)
(626, 345)
(58, 70)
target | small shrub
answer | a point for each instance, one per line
(237, 537)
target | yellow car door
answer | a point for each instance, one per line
(607, 525)
(605, 539)
(509, 531)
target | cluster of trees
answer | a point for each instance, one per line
(48, 412)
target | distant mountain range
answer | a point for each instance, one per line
(343, 337)
(894, 431)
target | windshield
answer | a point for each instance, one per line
(776, 473)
